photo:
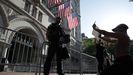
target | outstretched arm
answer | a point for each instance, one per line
(108, 39)
(110, 34)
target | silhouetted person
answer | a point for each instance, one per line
(123, 63)
(100, 55)
(53, 35)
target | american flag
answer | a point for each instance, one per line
(72, 20)
(67, 9)
(61, 10)
(53, 2)
(57, 1)
(75, 19)
(64, 9)
(49, 3)
(69, 21)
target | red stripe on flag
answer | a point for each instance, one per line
(60, 10)
(59, 1)
(69, 20)
(72, 20)
(55, 1)
(75, 22)
(50, 2)
(67, 12)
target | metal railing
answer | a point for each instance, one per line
(20, 52)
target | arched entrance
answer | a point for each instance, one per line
(22, 48)
(25, 49)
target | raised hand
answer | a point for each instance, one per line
(94, 26)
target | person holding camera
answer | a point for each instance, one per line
(123, 64)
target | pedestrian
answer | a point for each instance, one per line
(100, 55)
(53, 35)
(123, 64)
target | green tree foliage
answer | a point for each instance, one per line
(89, 46)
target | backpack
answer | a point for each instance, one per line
(53, 33)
